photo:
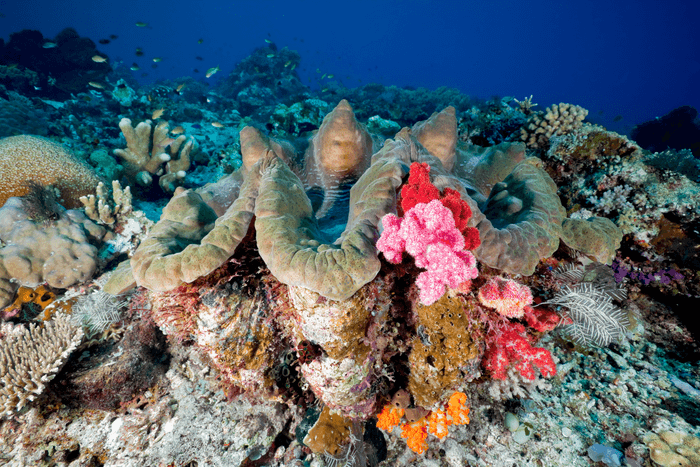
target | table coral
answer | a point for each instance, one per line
(31, 158)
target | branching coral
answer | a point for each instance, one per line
(30, 356)
(145, 156)
(558, 119)
(101, 209)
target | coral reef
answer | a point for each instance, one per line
(30, 356)
(32, 158)
(678, 129)
(60, 252)
(19, 116)
(62, 70)
(146, 153)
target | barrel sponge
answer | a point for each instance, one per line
(597, 237)
(24, 158)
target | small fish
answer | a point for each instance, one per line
(330, 76)
(104, 41)
(217, 125)
(85, 98)
(150, 98)
(617, 118)
(157, 59)
(134, 67)
(200, 41)
(178, 130)
(195, 70)
(324, 90)
(289, 62)
(97, 85)
(324, 75)
(113, 36)
(141, 24)
(209, 100)
(49, 45)
(139, 52)
(268, 41)
(198, 58)
(98, 59)
(270, 55)
(179, 88)
(211, 71)
(197, 126)
(156, 114)
(37, 88)
(293, 67)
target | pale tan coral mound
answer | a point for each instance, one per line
(30, 356)
(24, 158)
(60, 253)
(597, 237)
(671, 449)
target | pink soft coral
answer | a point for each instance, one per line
(428, 233)
(419, 189)
(506, 296)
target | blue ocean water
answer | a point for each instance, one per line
(625, 61)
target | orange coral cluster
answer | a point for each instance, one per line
(436, 422)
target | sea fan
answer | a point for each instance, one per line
(96, 312)
(596, 320)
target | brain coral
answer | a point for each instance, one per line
(25, 157)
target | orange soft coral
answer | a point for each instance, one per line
(416, 435)
(389, 418)
(457, 411)
(438, 423)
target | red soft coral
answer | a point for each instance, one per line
(462, 213)
(511, 345)
(541, 320)
(418, 189)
